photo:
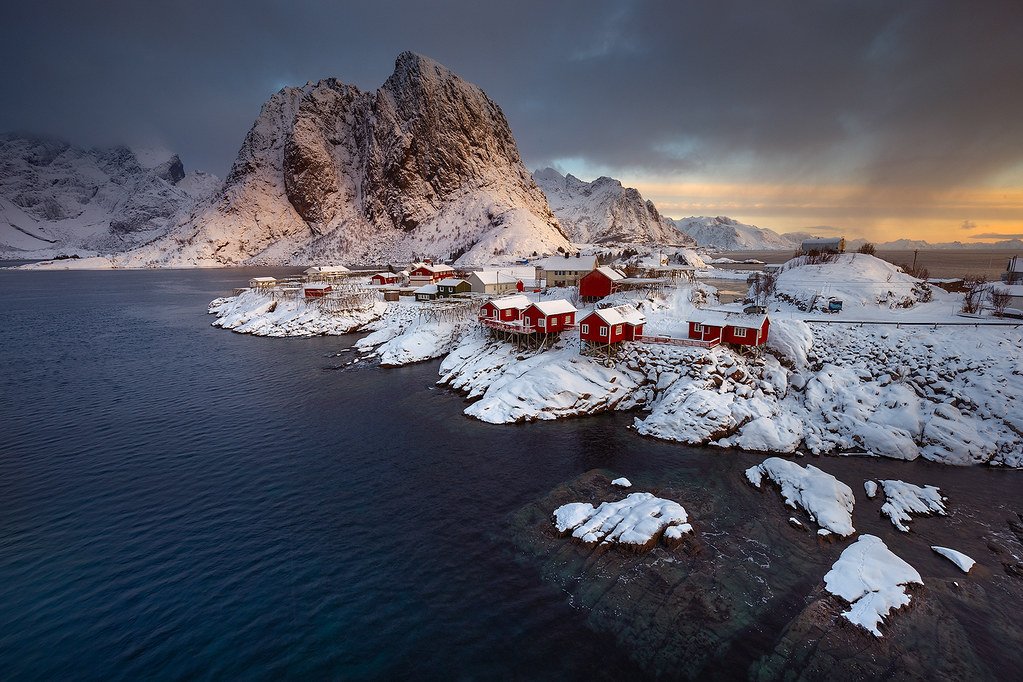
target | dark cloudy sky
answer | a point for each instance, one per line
(881, 118)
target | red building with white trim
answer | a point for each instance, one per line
(434, 272)
(612, 325)
(504, 309)
(725, 326)
(550, 317)
(599, 283)
(385, 278)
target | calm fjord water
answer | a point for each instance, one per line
(181, 502)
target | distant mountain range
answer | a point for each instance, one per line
(57, 199)
(603, 211)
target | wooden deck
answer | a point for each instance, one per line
(672, 341)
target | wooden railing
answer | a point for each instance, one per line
(672, 341)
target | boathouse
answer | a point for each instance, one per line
(316, 289)
(504, 309)
(726, 326)
(599, 283)
(549, 317)
(612, 325)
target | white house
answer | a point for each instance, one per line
(565, 271)
(492, 282)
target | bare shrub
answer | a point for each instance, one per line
(973, 293)
(868, 249)
(1000, 300)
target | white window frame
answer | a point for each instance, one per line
(739, 332)
(541, 322)
(618, 329)
(585, 329)
(604, 331)
(697, 328)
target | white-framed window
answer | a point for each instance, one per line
(585, 329)
(740, 332)
(618, 329)
(697, 328)
(603, 331)
(541, 322)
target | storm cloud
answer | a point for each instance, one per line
(863, 93)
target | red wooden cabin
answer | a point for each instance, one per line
(385, 278)
(550, 317)
(316, 289)
(434, 272)
(504, 309)
(599, 283)
(737, 328)
(612, 325)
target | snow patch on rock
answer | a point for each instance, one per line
(638, 520)
(828, 501)
(905, 499)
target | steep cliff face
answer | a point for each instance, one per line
(604, 211)
(56, 198)
(424, 166)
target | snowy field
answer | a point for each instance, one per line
(860, 383)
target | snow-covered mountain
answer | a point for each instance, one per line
(56, 198)
(727, 234)
(424, 166)
(603, 211)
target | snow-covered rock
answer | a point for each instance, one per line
(870, 488)
(638, 520)
(904, 499)
(258, 313)
(622, 482)
(603, 211)
(58, 199)
(424, 166)
(727, 234)
(828, 501)
(872, 580)
(964, 562)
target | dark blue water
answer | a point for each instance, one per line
(181, 502)
(178, 501)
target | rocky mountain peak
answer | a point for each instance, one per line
(426, 165)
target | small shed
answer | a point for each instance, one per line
(727, 326)
(391, 294)
(262, 283)
(612, 325)
(385, 278)
(427, 292)
(599, 282)
(316, 289)
(550, 317)
(450, 286)
(504, 309)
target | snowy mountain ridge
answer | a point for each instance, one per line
(727, 234)
(56, 198)
(604, 211)
(424, 166)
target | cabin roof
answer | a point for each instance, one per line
(433, 268)
(326, 269)
(517, 301)
(712, 317)
(623, 314)
(263, 279)
(555, 307)
(573, 264)
(427, 289)
(494, 277)
(449, 282)
(317, 285)
(611, 273)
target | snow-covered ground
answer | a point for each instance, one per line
(873, 580)
(945, 393)
(257, 313)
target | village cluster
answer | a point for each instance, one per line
(513, 311)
